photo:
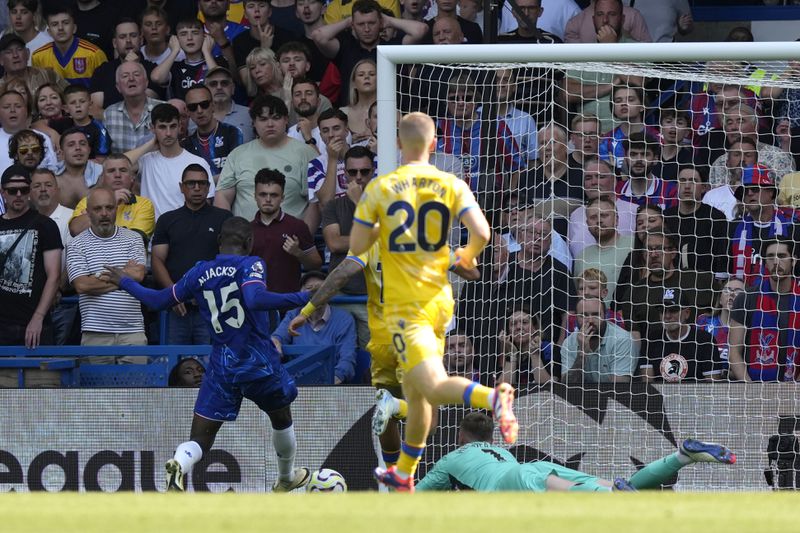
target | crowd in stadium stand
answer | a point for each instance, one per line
(644, 228)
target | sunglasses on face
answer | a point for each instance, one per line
(202, 105)
(16, 191)
(24, 150)
(195, 184)
(353, 172)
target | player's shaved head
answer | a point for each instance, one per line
(476, 427)
(416, 134)
(236, 236)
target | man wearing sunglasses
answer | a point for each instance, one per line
(212, 140)
(30, 265)
(220, 82)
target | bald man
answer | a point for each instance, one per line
(447, 31)
(109, 316)
(409, 213)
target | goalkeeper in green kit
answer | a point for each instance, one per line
(478, 465)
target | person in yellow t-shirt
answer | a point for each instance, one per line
(410, 212)
(133, 212)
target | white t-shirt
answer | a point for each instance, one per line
(61, 217)
(723, 199)
(161, 178)
(295, 133)
(164, 55)
(50, 160)
(37, 42)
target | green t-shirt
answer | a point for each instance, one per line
(246, 160)
(477, 466)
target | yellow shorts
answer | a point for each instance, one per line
(418, 332)
(386, 372)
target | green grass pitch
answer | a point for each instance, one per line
(386, 513)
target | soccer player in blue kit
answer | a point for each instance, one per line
(232, 294)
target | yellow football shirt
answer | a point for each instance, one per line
(138, 216)
(415, 207)
(370, 261)
(76, 66)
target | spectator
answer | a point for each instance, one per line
(640, 304)
(649, 219)
(592, 283)
(109, 316)
(741, 121)
(128, 121)
(127, 43)
(620, 21)
(77, 102)
(183, 237)
(761, 221)
(763, 335)
(599, 352)
(447, 31)
(363, 93)
(196, 46)
(155, 31)
(30, 263)
(25, 15)
(413, 10)
(188, 373)
(640, 186)
(538, 279)
(526, 31)
(326, 175)
(460, 357)
(740, 155)
(272, 149)
(674, 130)
(45, 198)
(717, 323)
(79, 174)
(262, 33)
(447, 9)
(261, 74)
(521, 124)
(162, 161)
(281, 240)
(612, 249)
(293, 58)
(337, 221)
(13, 119)
(94, 21)
(306, 106)
(49, 109)
(627, 104)
(309, 13)
(134, 212)
(212, 140)
(666, 18)
(26, 148)
(69, 56)
(703, 229)
(220, 81)
(221, 30)
(338, 10)
(681, 351)
(326, 326)
(285, 13)
(526, 360)
(598, 181)
(15, 60)
(550, 176)
(583, 136)
(183, 117)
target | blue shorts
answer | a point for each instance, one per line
(220, 399)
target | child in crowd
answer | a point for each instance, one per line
(76, 103)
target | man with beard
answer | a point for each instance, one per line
(13, 119)
(26, 148)
(212, 140)
(79, 174)
(295, 63)
(641, 186)
(305, 104)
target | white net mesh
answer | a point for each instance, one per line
(568, 160)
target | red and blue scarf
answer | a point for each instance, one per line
(771, 353)
(746, 263)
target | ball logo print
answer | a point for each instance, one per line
(326, 480)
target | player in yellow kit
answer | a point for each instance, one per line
(410, 212)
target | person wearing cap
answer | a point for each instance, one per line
(599, 351)
(765, 320)
(680, 352)
(127, 41)
(703, 229)
(220, 81)
(30, 264)
(760, 221)
(326, 326)
(741, 121)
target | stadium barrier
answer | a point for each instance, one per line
(110, 440)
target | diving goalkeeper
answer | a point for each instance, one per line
(478, 465)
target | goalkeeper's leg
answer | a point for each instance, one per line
(691, 451)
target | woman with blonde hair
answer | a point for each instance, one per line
(261, 74)
(363, 93)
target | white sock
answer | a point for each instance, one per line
(285, 445)
(395, 405)
(492, 398)
(683, 459)
(187, 454)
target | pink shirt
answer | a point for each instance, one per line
(580, 28)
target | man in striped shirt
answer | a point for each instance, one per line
(109, 316)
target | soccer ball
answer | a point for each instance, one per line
(326, 480)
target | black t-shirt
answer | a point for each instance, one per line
(692, 358)
(104, 81)
(350, 53)
(185, 75)
(535, 185)
(97, 25)
(668, 170)
(217, 146)
(286, 18)
(319, 63)
(340, 211)
(244, 43)
(545, 37)
(191, 236)
(703, 238)
(23, 275)
(472, 32)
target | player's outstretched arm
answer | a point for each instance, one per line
(479, 234)
(332, 284)
(257, 297)
(362, 235)
(158, 300)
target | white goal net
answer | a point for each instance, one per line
(634, 197)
